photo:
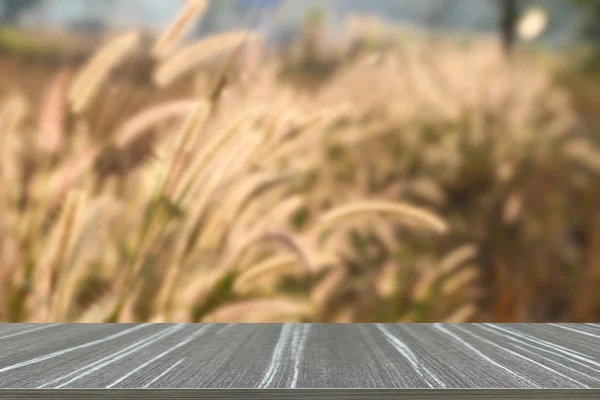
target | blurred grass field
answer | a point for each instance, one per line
(389, 178)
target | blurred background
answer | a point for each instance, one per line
(315, 161)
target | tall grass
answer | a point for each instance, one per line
(418, 181)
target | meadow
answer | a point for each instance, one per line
(384, 177)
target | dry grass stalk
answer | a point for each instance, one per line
(258, 222)
(53, 262)
(193, 289)
(273, 267)
(67, 174)
(53, 114)
(91, 77)
(269, 310)
(387, 281)
(12, 114)
(513, 209)
(456, 259)
(463, 315)
(459, 281)
(185, 60)
(88, 243)
(328, 287)
(100, 310)
(188, 135)
(128, 314)
(196, 211)
(141, 123)
(424, 286)
(583, 153)
(287, 240)
(164, 297)
(179, 27)
(226, 172)
(212, 149)
(223, 217)
(424, 218)
(206, 192)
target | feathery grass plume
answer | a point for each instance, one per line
(513, 208)
(582, 152)
(179, 27)
(188, 135)
(463, 315)
(382, 139)
(158, 319)
(278, 266)
(296, 123)
(188, 234)
(53, 113)
(67, 174)
(202, 197)
(185, 60)
(100, 310)
(252, 187)
(458, 281)
(119, 102)
(258, 222)
(88, 244)
(408, 317)
(171, 276)
(143, 121)
(346, 315)
(90, 78)
(128, 313)
(277, 309)
(457, 258)
(287, 240)
(308, 137)
(219, 84)
(424, 218)
(153, 229)
(193, 226)
(14, 110)
(56, 254)
(194, 289)
(429, 190)
(284, 150)
(423, 288)
(213, 148)
(328, 287)
(226, 171)
(387, 281)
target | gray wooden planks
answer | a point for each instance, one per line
(360, 359)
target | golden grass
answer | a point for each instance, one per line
(145, 120)
(423, 218)
(273, 310)
(179, 27)
(53, 114)
(275, 267)
(192, 56)
(50, 274)
(90, 78)
(402, 188)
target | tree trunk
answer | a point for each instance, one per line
(508, 24)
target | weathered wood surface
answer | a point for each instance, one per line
(271, 360)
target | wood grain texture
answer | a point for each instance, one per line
(267, 360)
